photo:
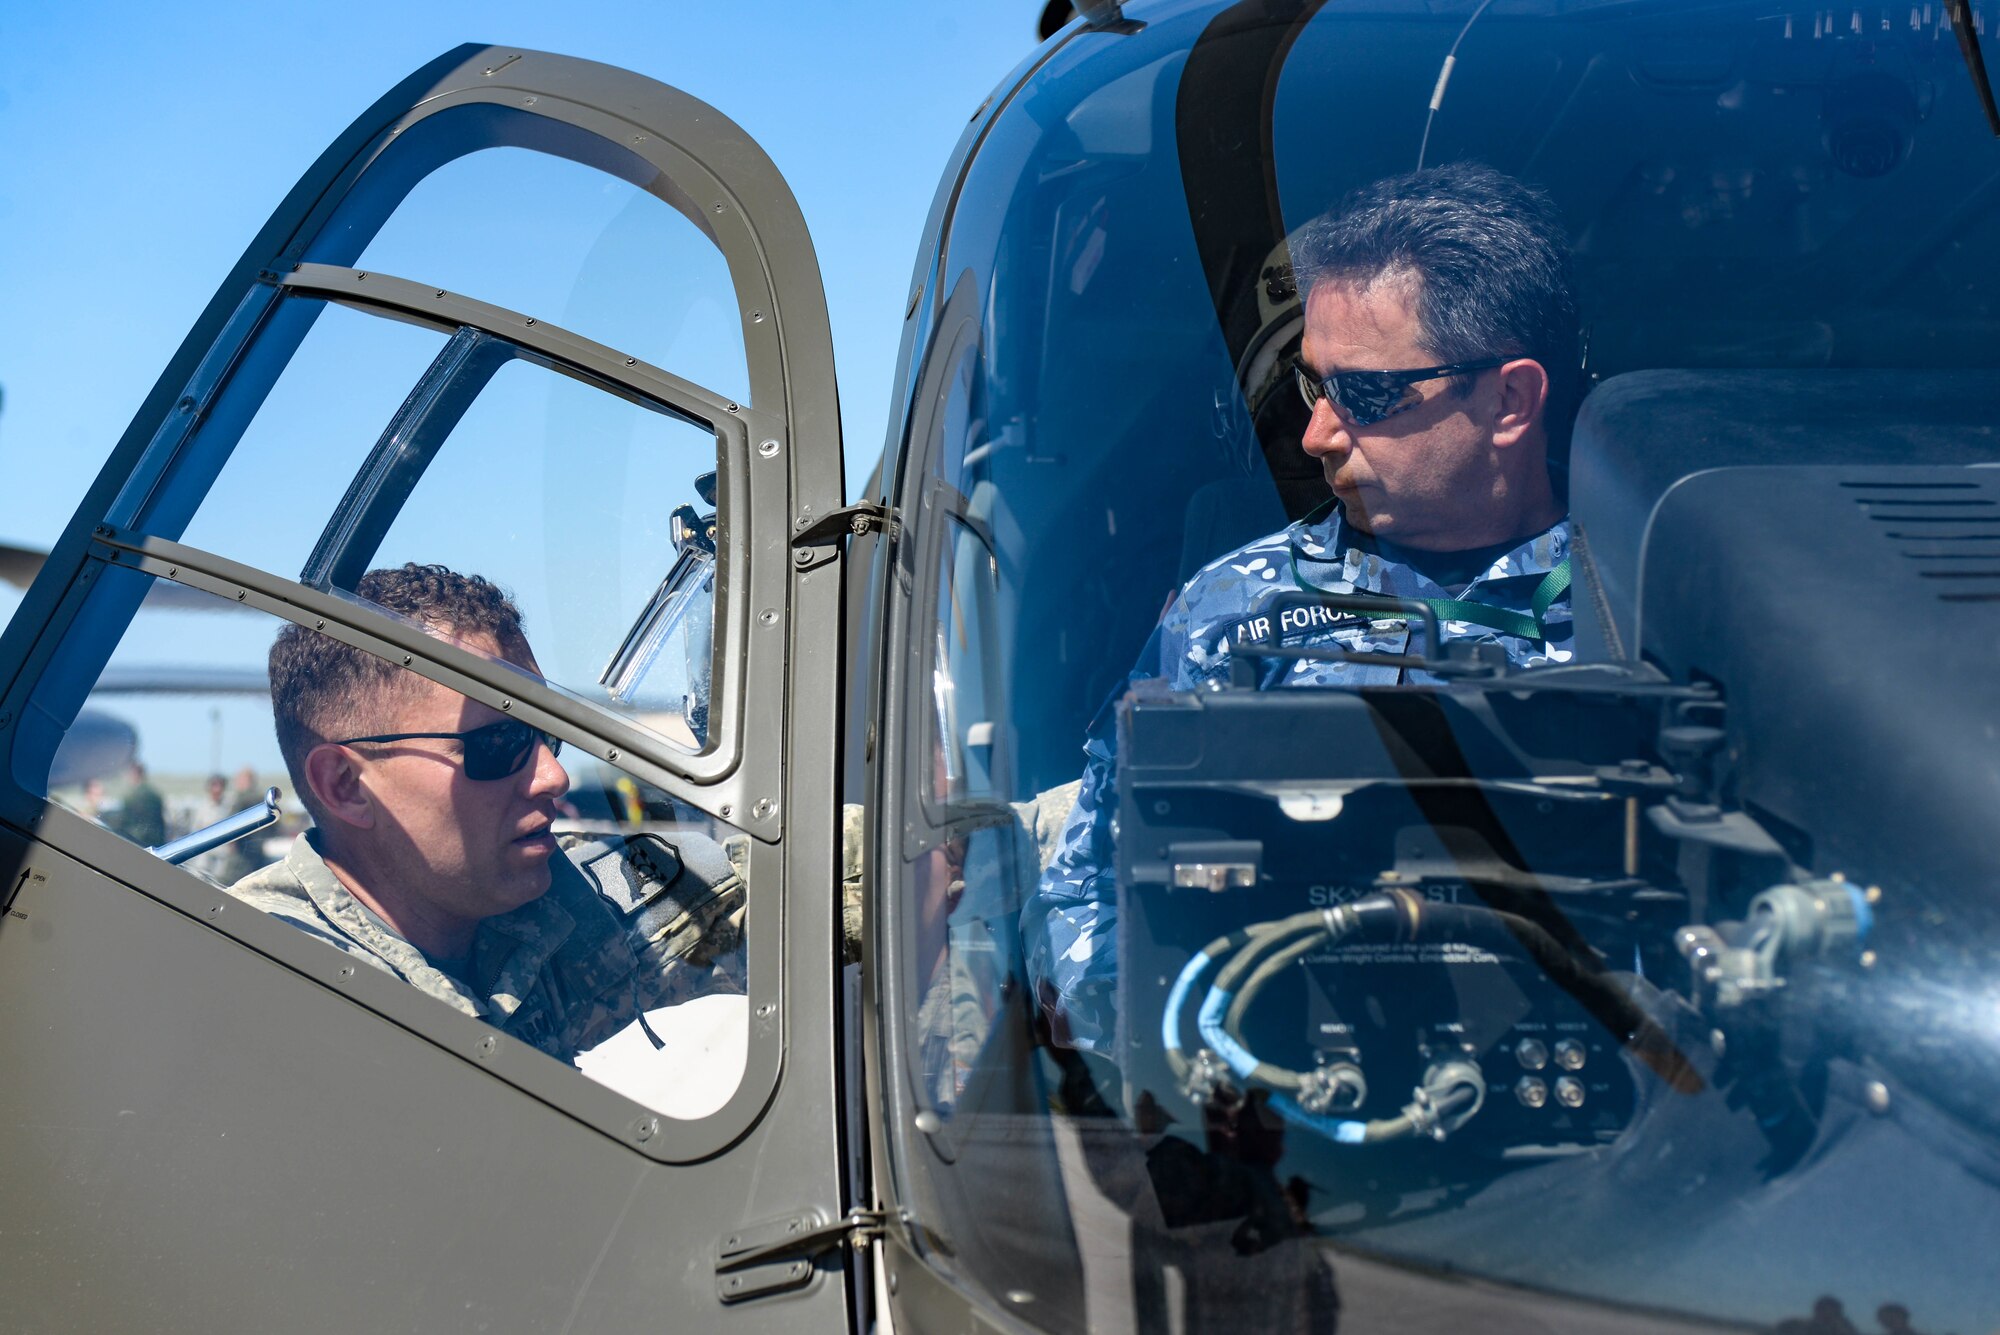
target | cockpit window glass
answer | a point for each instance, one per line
(603, 921)
(968, 865)
(575, 247)
(1728, 176)
(964, 664)
(966, 891)
(384, 443)
(306, 438)
(1355, 943)
(175, 733)
(579, 503)
(598, 509)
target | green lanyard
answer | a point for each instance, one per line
(1552, 587)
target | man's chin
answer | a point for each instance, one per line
(527, 875)
(522, 890)
(1354, 509)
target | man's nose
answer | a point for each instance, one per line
(546, 776)
(1326, 431)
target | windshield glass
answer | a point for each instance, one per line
(1354, 829)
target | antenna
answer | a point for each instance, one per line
(1444, 78)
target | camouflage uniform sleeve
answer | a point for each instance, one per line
(265, 891)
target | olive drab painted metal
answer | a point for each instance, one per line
(215, 1123)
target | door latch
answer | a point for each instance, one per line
(777, 1256)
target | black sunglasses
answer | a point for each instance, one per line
(492, 752)
(1366, 397)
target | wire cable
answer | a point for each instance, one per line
(1444, 78)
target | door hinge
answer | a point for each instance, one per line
(777, 1256)
(819, 541)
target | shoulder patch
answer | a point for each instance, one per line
(630, 873)
(675, 900)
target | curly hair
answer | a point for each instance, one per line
(322, 688)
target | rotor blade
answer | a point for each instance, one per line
(20, 565)
(175, 680)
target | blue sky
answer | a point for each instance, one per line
(143, 146)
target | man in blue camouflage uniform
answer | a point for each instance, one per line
(1440, 343)
(434, 857)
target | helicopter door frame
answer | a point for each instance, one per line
(773, 1149)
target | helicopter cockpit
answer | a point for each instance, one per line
(1654, 978)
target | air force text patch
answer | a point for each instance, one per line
(1288, 624)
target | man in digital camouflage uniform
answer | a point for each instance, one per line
(433, 855)
(1440, 341)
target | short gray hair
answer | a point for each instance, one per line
(1490, 254)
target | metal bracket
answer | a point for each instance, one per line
(778, 1256)
(819, 541)
(1212, 865)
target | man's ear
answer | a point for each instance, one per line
(1524, 392)
(334, 774)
